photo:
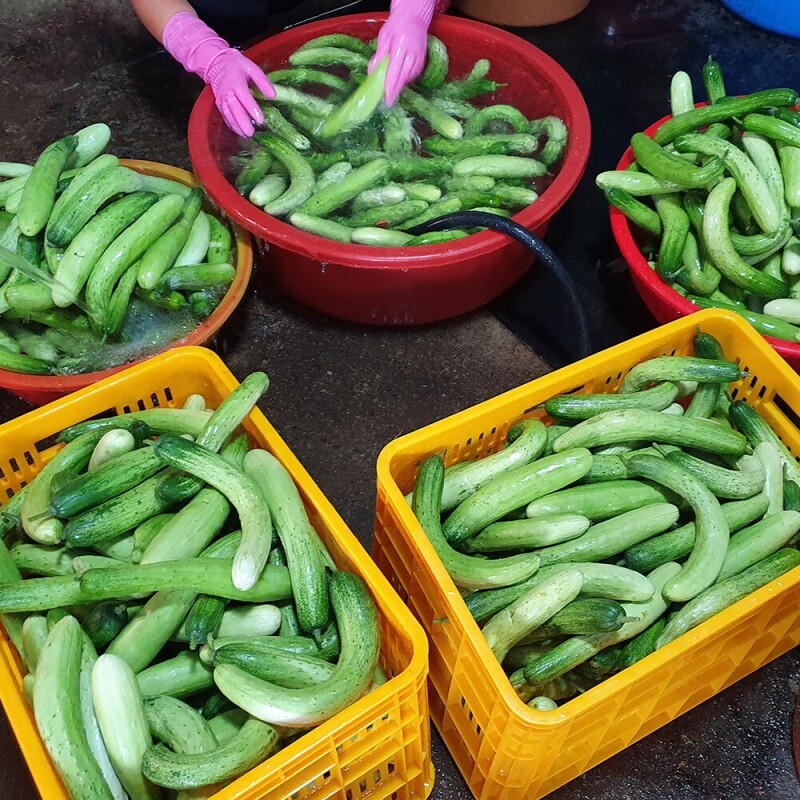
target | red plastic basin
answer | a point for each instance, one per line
(663, 302)
(402, 286)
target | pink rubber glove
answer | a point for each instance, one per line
(404, 38)
(199, 50)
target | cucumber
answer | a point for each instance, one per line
(35, 559)
(84, 203)
(712, 530)
(86, 248)
(203, 620)
(197, 574)
(526, 442)
(38, 523)
(573, 652)
(527, 533)
(34, 636)
(196, 524)
(513, 489)
(721, 595)
(180, 676)
(599, 580)
(165, 251)
(598, 501)
(724, 483)
(230, 413)
(84, 178)
(605, 539)
(301, 176)
(120, 714)
(361, 104)
(530, 611)
(90, 723)
(290, 670)
(326, 201)
(679, 368)
(583, 406)
(142, 639)
(241, 492)
(307, 571)
(104, 483)
(327, 648)
(468, 572)
(196, 244)
(748, 420)
(584, 616)
(39, 188)
(357, 621)
(111, 444)
(58, 712)
(178, 725)
(125, 250)
(115, 516)
(677, 544)
(642, 645)
(435, 72)
(91, 142)
(756, 542)
(253, 744)
(636, 424)
(104, 622)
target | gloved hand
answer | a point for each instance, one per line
(227, 71)
(404, 38)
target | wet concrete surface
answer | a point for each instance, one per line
(340, 392)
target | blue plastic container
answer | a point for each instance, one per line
(779, 16)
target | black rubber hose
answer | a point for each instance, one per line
(485, 219)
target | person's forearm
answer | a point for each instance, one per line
(155, 14)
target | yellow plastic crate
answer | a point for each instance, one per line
(380, 746)
(503, 748)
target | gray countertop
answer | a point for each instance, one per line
(340, 392)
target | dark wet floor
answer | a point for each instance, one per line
(340, 392)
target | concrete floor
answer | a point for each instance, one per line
(340, 392)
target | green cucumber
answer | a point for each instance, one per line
(676, 545)
(110, 480)
(605, 539)
(58, 712)
(39, 188)
(712, 530)
(597, 501)
(357, 621)
(721, 595)
(573, 652)
(242, 493)
(89, 244)
(252, 745)
(530, 611)
(636, 424)
(294, 529)
(466, 571)
(513, 489)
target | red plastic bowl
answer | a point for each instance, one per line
(41, 389)
(403, 286)
(663, 302)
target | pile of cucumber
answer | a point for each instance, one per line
(336, 162)
(178, 617)
(587, 543)
(90, 248)
(715, 196)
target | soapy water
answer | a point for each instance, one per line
(146, 330)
